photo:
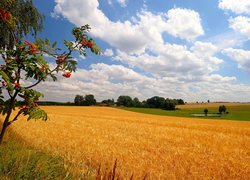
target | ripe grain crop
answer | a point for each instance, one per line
(159, 147)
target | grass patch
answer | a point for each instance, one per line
(19, 161)
(241, 113)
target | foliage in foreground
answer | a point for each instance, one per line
(19, 161)
(25, 63)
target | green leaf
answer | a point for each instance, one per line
(5, 76)
(37, 113)
(54, 44)
(47, 41)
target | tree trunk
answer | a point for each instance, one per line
(5, 125)
(6, 121)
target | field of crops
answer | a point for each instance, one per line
(159, 147)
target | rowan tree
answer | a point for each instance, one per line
(24, 62)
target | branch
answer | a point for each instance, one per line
(28, 87)
(15, 118)
(9, 94)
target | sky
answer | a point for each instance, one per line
(188, 49)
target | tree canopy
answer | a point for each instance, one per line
(19, 18)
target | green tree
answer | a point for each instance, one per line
(89, 100)
(18, 18)
(222, 109)
(156, 102)
(26, 63)
(205, 111)
(109, 102)
(180, 101)
(124, 101)
(79, 100)
(136, 102)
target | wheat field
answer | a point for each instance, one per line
(159, 147)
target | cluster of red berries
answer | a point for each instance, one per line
(87, 43)
(16, 84)
(32, 47)
(60, 59)
(67, 74)
(42, 68)
(4, 15)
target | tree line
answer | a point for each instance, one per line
(127, 101)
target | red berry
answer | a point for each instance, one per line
(67, 74)
(42, 68)
(89, 45)
(4, 15)
(32, 47)
(16, 84)
(60, 59)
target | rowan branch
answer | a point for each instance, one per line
(15, 118)
(31, 86)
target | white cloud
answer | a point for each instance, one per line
(110, 81)
(226, 40)
(122, 3)
(236, 6)
(141, 32)
(82, 57)
(204, 48)
(168, 70)
(109, 2)
(122, 35)
(242, 57)
(175, 61)
(241, 25)
(108, 52)
(184, 23)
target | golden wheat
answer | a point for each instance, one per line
(156, 146)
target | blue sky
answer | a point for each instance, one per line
(189, 49)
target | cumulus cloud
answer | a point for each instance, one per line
(236, 6)
(168, 70)
(175, 61)
(204, 48)
(108, 52)
(240, 56)
(184, 23)
(122, 3)
(110, 81)
(133, 35)
(240, 24)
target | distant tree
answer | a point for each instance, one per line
(208, 101)
(124, 101)
(109, 102)
(206, 111)
(79, 100)
(170, 104)
(180, 101)
(136, 102)
(144, 104)
(156, 102)
(222, 109)
(89, 100)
